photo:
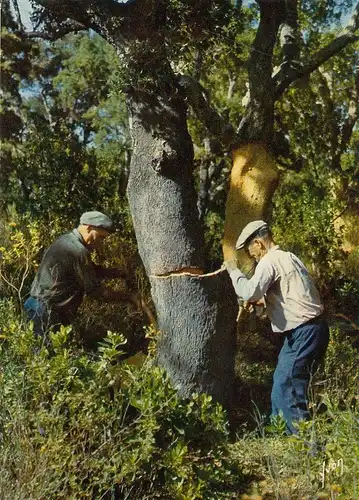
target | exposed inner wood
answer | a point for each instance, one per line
(195, 272)
(254, 177)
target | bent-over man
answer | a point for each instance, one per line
(67, 273)
(294, 309)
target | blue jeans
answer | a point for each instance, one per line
(37, 312)
(302, 352)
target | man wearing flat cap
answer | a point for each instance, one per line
(67, 273)
(294, 308)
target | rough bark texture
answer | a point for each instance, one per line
(160, 188)
(289, 34)
(195, 313)
(290, 43)
(258, 121)
(197, 321)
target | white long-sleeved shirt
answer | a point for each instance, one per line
(291, 296)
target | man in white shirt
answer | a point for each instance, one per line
(294, 309)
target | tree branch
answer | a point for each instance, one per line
(347, 36)
(115, 21)
(55, 35)
(18, 15)
(353, 116)
(75, 7)
(289, 41)
(331, 123)
(59, 16)
(238, 4)
(257, 123)
(214, 122)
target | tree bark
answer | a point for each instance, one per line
(196, 312)
(258, 121)
(197, 319)
(160, 188)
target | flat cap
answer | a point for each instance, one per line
(249, 231)
(97, 219)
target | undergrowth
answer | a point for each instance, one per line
(77, 424)
(80, 425)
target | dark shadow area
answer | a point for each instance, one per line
(257, 352)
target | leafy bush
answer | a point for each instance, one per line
(304, 223)
(77, 425)
(19, 248)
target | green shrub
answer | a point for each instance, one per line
(75, 425)
(19, 247)
(305, 214)
(304, 217)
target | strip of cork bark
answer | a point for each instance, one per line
(194, 272)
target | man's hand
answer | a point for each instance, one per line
(260, 302)
(258, 307)
(230, 265)
(248, 306)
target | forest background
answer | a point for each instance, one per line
(91, 416)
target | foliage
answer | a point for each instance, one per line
(304, 216)
(321, 461)
(213, 234)
(74, 425)
(73, 140)
(16, 66)
(78, 424)
(22, 244)
(305, 211)
(18, 253)
(342, 367)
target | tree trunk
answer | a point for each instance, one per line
(197, 319)
(254, 178)
(160, 188)
(196, 312)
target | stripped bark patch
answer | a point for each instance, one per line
(254, 177)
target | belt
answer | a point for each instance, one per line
(309, 322)
(314, 320)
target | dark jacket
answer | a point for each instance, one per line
(65, 274)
